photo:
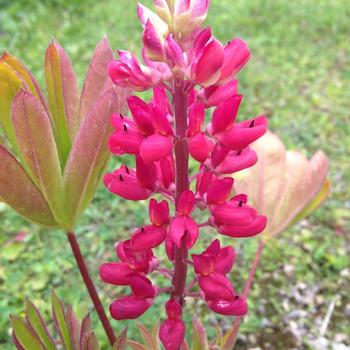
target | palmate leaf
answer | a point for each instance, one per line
(32, 333)
(44, 136)
(18, 191)
(282, 183)
(38, 149)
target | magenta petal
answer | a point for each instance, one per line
(161, 121)
(129, 307)
(116, 273)
(127, 141)
(167, 171)
(183, 227)
(203, 264)
(153, 42)
(185, 203)
(239, 137)
(148, 237)
(236, 56)
(141, 287)
(173, 309)
(141, 115)
(219, 190)
(146, 174)
(155, 147)
(200, 147)
(217, 94)
(237, 161)
(235, 307)
(257, 226)
(216, 286)
(203, 181)
(225, 114)
(159, 212)
(209, 63)
(225, 260)
(230, 214)
(172, 334)
(195, 119)
(174, 53)
(125, 185)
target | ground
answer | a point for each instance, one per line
(299, 76)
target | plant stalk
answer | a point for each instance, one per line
(248, 284)
(91, 287)
(182, 182)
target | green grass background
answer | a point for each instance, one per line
(299, 76)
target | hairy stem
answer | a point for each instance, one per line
(182, 182)
(91, 287)
(248, 284)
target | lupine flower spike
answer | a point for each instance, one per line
(190, 72)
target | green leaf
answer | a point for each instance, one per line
(199, 338)
(24, 335)
(61, 321)
(35, 320)
(18, 191)
(10, 84)
(97, 81)
(89, 155)
(121, 341)
(63, 98)
(25, 75)
(38, 149)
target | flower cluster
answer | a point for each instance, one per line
(190, 72)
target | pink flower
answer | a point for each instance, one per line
(159, 212)
(211, 268)
(236, 55)
(149, 134)
(129, 73)
(125, 183)
(139, 261)
(213, 95)
(182, 226)
(207, 58)
(172, 331)
(235, 218)
(214, 260)
(225, 161)
(133, 306)
(243, 134)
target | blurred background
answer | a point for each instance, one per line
(299, 76)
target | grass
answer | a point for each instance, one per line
(299, 76)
